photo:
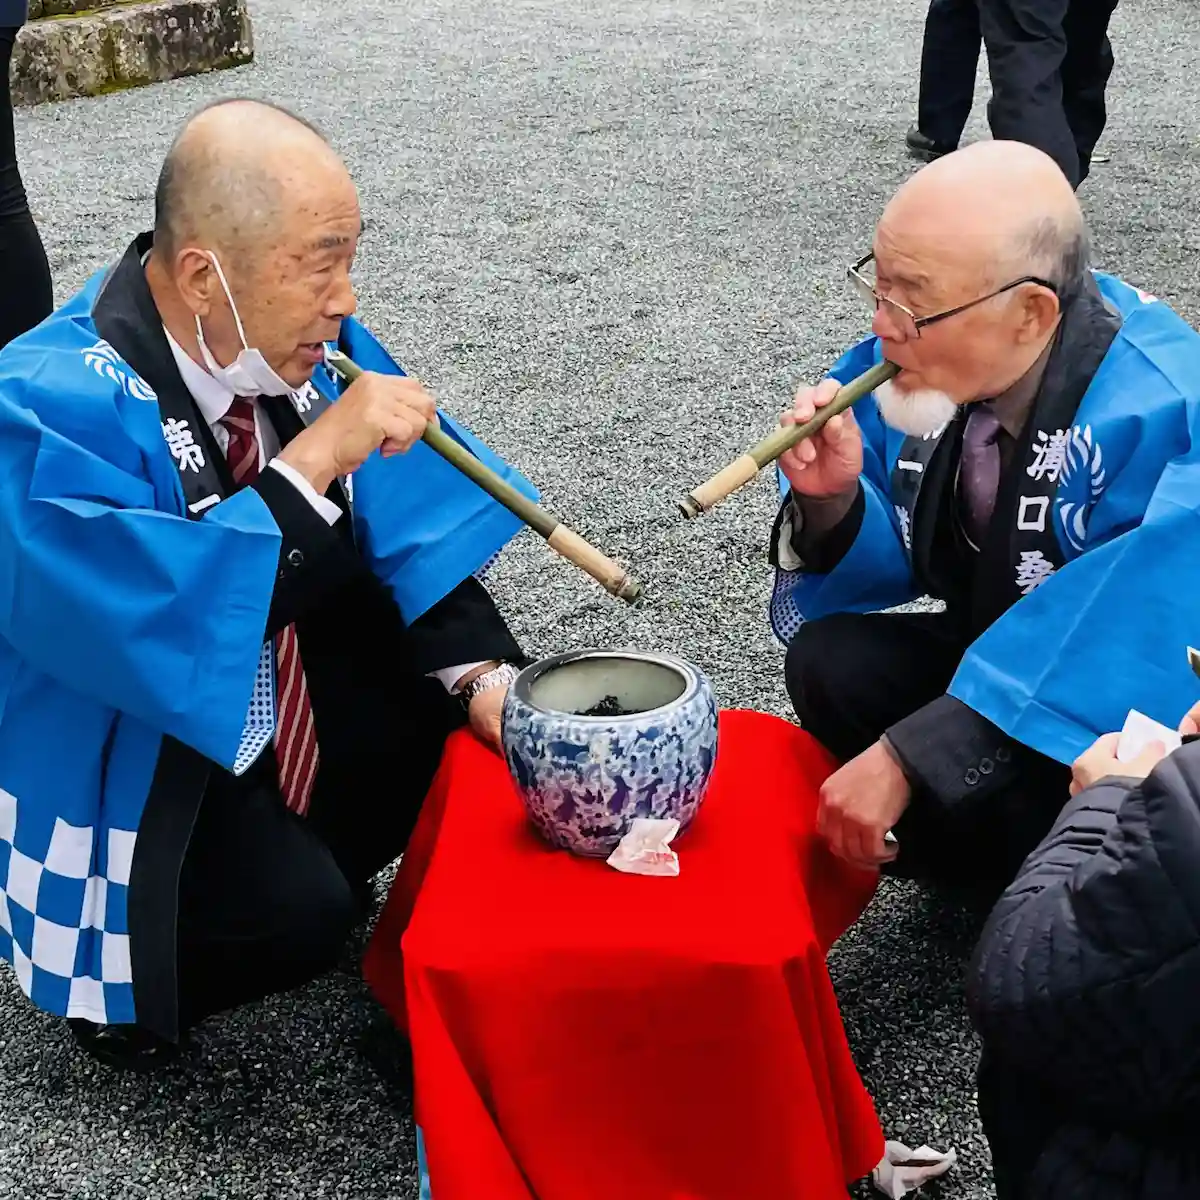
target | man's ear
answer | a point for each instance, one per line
(196, 280)
(1039, 313)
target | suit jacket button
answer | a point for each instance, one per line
(985, 766)
(1003, 754)
(971, 778)
(295, 557)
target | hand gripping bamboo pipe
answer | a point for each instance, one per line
(563, 540)
(742, 470)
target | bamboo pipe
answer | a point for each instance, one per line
(742, 470)
(563, 540)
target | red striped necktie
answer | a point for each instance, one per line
(295, 730)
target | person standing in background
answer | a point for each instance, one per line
(22, 255)
(949, 59)
(1049, 62)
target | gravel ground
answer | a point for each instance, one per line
(618, 231)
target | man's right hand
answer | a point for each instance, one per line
(376, 412)
(830, 462)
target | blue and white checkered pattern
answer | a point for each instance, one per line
(64, 894)
(64, 915)
(260, 717)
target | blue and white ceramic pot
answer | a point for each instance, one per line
(584, 778)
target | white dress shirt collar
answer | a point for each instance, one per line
(212, 397)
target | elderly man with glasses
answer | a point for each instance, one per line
(1035, 466)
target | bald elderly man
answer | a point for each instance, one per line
(239, 604)
(1035, 465)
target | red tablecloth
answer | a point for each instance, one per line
(580, 1034)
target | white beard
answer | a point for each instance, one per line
(917, 413)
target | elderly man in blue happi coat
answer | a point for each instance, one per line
(243, 600)
(1036, 466)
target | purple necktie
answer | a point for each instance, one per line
(979, 477)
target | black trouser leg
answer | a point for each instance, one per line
(365, 805)
(28, 297)
(949, 58)
(266, 898)
(1085, 74)
(263, 907)
(1026, 44)
(852, 676)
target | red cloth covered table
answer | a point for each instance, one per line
(581, 1034)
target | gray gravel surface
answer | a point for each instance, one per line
(612, 236)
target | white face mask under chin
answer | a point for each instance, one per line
(915, 413)
(249, 374)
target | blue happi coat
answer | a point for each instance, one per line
(133, 609)
(1098, 589)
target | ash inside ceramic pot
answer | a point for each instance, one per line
(610, 706)
(607, 685)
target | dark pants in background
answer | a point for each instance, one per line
(1049, 61)
(22, 256)
(949, 58)
(851, 677)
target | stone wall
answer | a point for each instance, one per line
(90, 47)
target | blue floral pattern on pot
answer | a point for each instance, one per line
(584, 779)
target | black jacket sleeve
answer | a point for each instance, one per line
(819, 554)
(463, 627)
(1088, 971)
(955, 755)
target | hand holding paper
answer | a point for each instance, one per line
(1133, 753)
(1139, 732)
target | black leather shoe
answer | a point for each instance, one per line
(125, 1047)
(925, 147)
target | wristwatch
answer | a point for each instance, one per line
(505, 673)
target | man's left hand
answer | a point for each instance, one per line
(1100, 761)
(860, 803)
(484, 714)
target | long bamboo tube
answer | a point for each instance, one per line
(742, 470)
(562, 539)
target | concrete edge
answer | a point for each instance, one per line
(128, 45)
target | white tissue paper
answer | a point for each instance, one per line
(1139, 731)
(645, 849)
(903, 1170)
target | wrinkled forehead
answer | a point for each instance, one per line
(933, 252)
(319, 214)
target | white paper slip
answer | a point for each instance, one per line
(1139, 731)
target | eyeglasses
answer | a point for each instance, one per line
(907, 320)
